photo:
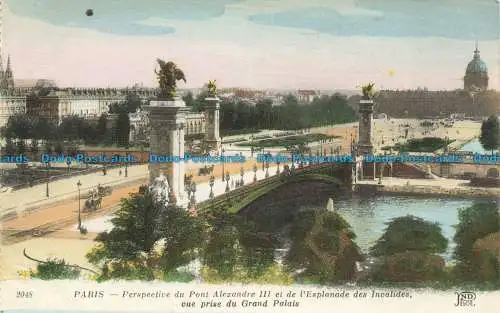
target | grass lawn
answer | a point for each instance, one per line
(288, 141)
(427, 144)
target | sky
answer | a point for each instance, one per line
(263, 44)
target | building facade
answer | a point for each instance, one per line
(474, 100)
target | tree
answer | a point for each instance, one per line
(257, 248)
(408, 250)
(475, 222)
(189, 99)
(490, 134)
(47, 147)
(122, 129)
(264, 110)
(34, 147)
(102, 127)
(58, 148)
(45, 129)
(410, 233)
(132, 102)
(55, 269)
(19, 127)
(72, 128)
(10, 147)
(21, 147)
(222, 250)
(322, 247)
(141, 223)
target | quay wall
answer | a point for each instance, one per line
(471, 192)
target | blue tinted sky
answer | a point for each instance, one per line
(254, 43)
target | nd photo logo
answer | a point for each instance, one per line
(465, 298)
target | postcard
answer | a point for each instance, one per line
(249, 156)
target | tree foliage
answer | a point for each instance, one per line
(490, 133)
(408, 250)
(411, 266)
(475, 222)
(122, 129)
(322, 247)
(141, 223)
(235, 246)
(55, 269)
(410, 233)
(290, 114)
(222, 249)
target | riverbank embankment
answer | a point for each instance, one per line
(426, 187)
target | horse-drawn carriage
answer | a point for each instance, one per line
(94, 199)
(206, 170)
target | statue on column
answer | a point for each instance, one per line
(212, 88)
(368, 91)
(168, 76)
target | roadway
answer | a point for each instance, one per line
(62, 211)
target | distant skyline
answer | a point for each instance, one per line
(262, 44)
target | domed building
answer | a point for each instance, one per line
(476, 74)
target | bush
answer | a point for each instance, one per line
(410, 266)
(427, 144)
(487, 266)
(55, 269)
(127, 270)
(178, 276)
(410, 233)
(273, 275)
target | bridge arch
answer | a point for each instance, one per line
(255, 195)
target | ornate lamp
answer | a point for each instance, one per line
(227, 182)
(211, 183)
(255, 172)
(78, 184)
(193, 193)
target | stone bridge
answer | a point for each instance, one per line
(337, 174)
(237, 199)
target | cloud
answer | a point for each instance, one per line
(120, 17)
(459, 19)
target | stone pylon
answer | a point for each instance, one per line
(365, 145)
(212, 138)
(167, 121)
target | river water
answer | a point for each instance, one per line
(474, 146)
(368, 216)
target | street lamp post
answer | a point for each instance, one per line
(126, 164)
(188, 189)
(277, 168)
(47, 181)
(242, 172)
(267, 169)
(227, 181)
(255, 172)
(78, 184)
(251, 147)
(222, 159)
(211, 182)
(193, 193)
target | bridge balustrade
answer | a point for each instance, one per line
(236, 193)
